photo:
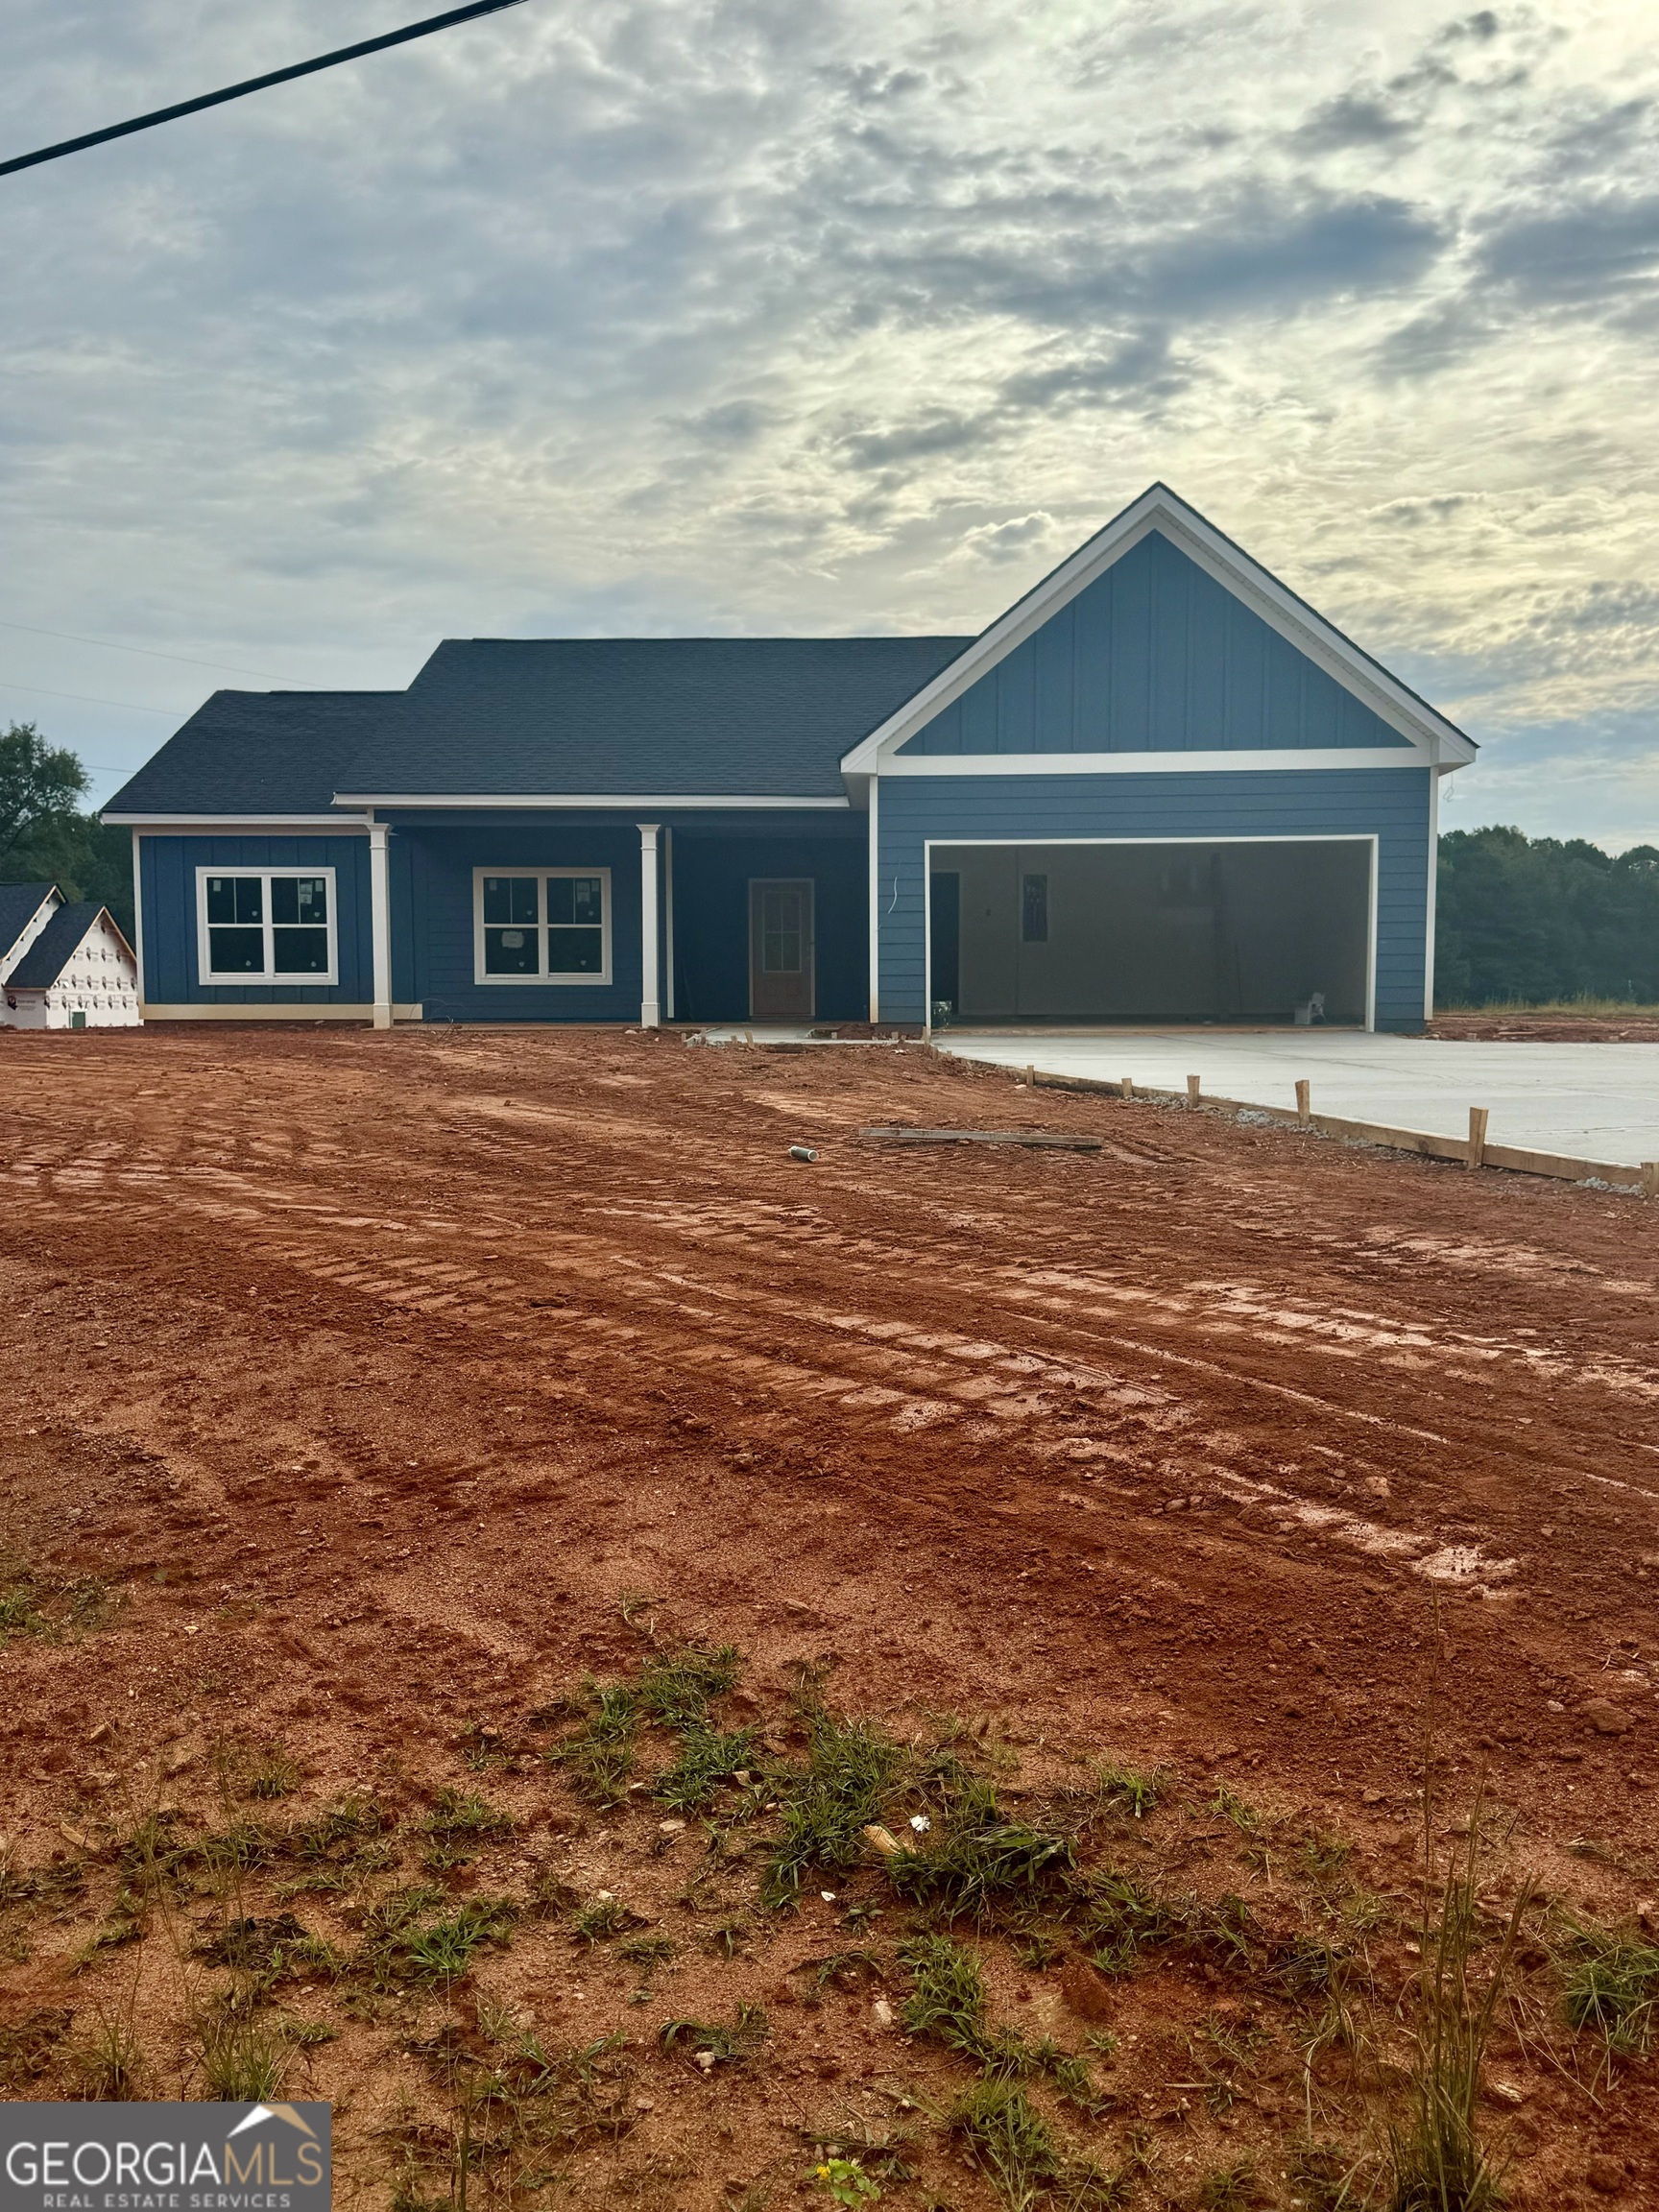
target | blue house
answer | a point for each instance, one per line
(1160, 788)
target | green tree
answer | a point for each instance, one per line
(42, 836)
(1541, 918)
(37, 781)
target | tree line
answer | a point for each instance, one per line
(1536, 920)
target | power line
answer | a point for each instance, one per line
(40, 691)
(150, 653)
(423, 29)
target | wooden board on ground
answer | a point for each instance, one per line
(1052, 1139)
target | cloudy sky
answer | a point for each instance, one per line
(744, 316)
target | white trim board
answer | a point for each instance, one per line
(278, 1011)
(240, 824)
(930, 845)
(1157, 508)
(1162, 763)
(625, 802)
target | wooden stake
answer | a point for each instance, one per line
(1476, 1135)
(1030, 1076)
(1303, 1100)
(1650, 1178)
(1126, 1085)
(1192, 1090)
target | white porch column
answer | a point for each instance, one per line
(875, 906)
(138, 918)
(650, 989)
(380, 922)
(668, 921)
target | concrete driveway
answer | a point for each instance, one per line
(1592, 1101)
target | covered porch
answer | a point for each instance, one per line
(568, 914)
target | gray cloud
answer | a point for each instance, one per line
(709, 314)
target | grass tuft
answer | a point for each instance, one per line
(707, 1757)
(244, 2060)
(978, 1861)
(1613, 1986)
(851, 1768)
(1438, 2161)
(1002, 2134)
(710, 2043)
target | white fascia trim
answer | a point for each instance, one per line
(1152, 764)
(281, 1010)
(244, 825)
(627, 802)
(1158, 508)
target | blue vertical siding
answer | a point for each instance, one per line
(1154, 655)
(433, 954)
(1391, 804)
(167, 876)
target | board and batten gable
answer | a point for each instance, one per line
(1153, 655)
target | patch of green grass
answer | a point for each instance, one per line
(946, 2003)
(337, 1831)
(1002, 2135)
(946, 1999)
(1227, 1805)
(851, 1769)
(403, 1943)
(601, 1919)
(109, 2066)
(598, 1755)
(1612, 1985)
(1321, 1858)
(976, 1861)
(647, 1952)
(676, 1686)
(27, 2047)
(1235, 2187)
(1127, 1790)
(707, 1757)
(49, 1607)
(460, 1824)
(710, 2043)
(274, 1775)
(1438, 2160)
(243, 2060)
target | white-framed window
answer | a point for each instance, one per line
(542, 924)
(266, 925)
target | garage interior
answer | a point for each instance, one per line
(1177, 932)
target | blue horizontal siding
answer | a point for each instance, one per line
(167, 876)
(1390, 803)
(1154, 655)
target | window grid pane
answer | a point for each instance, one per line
(542, 926)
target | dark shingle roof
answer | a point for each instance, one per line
(46, 958)
(19, 903)
(256, 753)
(766, 716)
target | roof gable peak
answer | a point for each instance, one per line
(1158, 508)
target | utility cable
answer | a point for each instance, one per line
(150, 653)
(423, 29)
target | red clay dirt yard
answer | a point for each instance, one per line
(654, 1674)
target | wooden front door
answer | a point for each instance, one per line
(781, 949)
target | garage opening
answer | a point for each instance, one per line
(1270, 931)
